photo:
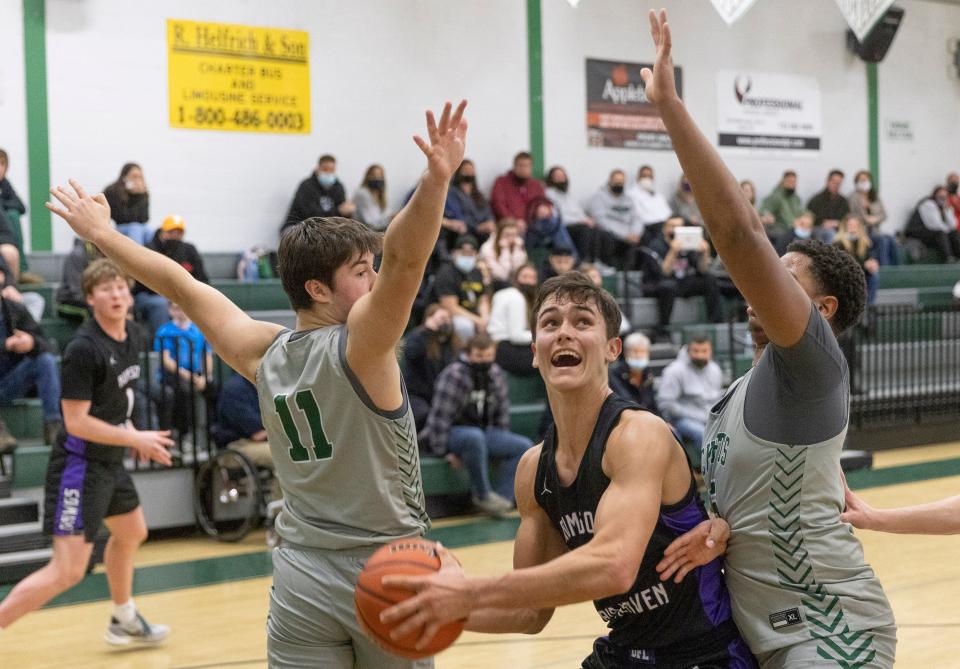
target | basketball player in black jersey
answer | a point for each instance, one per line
(600, 499)
(86, 480)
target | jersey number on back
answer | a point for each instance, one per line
(307, 403)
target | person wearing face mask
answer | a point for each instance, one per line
(802, 229)
(513, 191)
(852, 237)
(934, 224)
(504, 253)
(953, 193)
(652, 207)
(689, 386)
(631, 378)
(580, 226)
(783, 204)
(320, 194)
(510, 322)
(466, 210)
(427, 350)
(619, 225)
(469, 424)
(150, 307)
(371, 199)
(460, 288)
(683, 203)
(865, 204)
(829, 206)
(545, 229)
(129, 203)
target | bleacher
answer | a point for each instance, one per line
(914, 285)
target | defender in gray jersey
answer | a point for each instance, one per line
(333, 402)
(802, 594)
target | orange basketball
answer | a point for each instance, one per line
(406, 557)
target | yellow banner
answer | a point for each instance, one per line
(230, 77)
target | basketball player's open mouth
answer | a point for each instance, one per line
(565, 359)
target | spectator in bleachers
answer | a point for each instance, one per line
(320, 194)
(71, 302)
(630, 378)
(689, 386)
(545, 230)
(593, 273)
(239, 424)
(581, 228)
(25, 363)
(187, 362)
(616, 216)
(865, 204)
(802, 229)
(129, 203)
(852, 237)
(750, 191)
(504, 252)
(686, 273)
(371, 199)
(34, 303)
(510, 322)
(513, 191)
(652, 208)
(829, 207)
(466, 210)
(427, 351)
(934, 224)
(459, 287)
(11, 232)
(684, 205)
(560, 261)
(783, 204)
(953, 193)
(469, 423)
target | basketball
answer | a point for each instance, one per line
(406, 557)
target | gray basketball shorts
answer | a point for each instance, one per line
(312, 623)
(870, 649)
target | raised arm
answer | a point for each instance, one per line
(940, 517)
(235, 337)
(735, 228)
(378, 319)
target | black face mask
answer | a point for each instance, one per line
(789, 191)
(481, 375)
(170, 245)
(375, 184)
(560, 186)
(953, 187)
(466, 179)
(527, 290)
(444, 331)
(616, 189)
(700, 364)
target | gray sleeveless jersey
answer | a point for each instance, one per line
(350, 473)
(795, 571)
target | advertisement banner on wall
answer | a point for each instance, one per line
(234, 77)
(618, 113)
(763, 113)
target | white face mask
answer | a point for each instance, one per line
(638, 364)
(646, 183)
(465, 263)
(864, 186)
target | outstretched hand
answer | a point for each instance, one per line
(86, 215)
(858, 513)
(447, 143)
(701, 545)
(660, 85)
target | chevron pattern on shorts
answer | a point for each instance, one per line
(823, 611)
(408, 458)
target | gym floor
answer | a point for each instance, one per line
(215, 595)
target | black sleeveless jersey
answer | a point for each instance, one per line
(672, 619)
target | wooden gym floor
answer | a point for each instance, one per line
(215, 595)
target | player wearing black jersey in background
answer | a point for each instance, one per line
(86, 480)
(600, 499)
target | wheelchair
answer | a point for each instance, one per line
(232, 495)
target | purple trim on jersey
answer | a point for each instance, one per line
(713, 591)
(740, 655)
(68, 519)
(75, 445)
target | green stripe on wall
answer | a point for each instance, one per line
(873, 121)
(535, 84)
(38, 144)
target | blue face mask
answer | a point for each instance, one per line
(465, 263)
(638, 364)
(802, 234)
(327, 179)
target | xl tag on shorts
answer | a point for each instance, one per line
(785, 618)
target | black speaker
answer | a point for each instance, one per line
(875, 45)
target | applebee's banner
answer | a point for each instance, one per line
(618, 113)
(763, 113)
